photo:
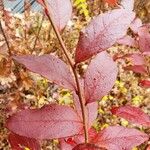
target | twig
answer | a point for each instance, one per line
(65, 51)
(38, 33)
(7, 43)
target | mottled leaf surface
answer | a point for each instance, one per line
(18, 142)
(99, 77)
(119, 138)
(133, 114)
(49, 67)
(102, 32)
(49, 122)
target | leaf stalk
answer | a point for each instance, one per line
(73, 67)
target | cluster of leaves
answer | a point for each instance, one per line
(140, 40)
(29, 126)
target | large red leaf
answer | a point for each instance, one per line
(60, 11)
(133, 114)
(102, 33)
(49, 122)
(119, 138)
(87, 146)
(99, 77)
(49, 67)
(18, 142)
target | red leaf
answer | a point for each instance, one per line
(49, 67)
(112, 2)
(60, 10)
(87, 147)
(49, 122)
(100, 77)
(136, 59)
(133, 114)
(145, 83)
(144, 39)
(119, 138)
(20, 143)
(102, 33)
(137, 69)
(135, 25)
(127, 40)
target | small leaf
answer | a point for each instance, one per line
(137, 69)
(99, 77)
(59, 10)
(102, 33)
(119, 138)
(145, 83)
(49, 67)
(135, 25)
(87, 146)
(127, 40)
(49, 122)
(136, 58)
(144, 39)
(133, 114)
(18, 142)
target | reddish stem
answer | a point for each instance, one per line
(73, 67)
